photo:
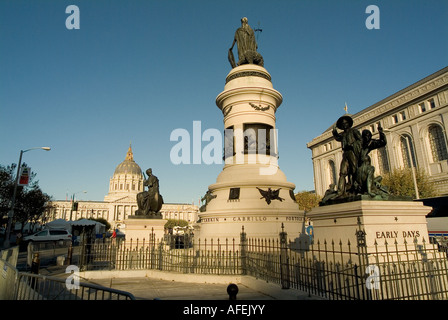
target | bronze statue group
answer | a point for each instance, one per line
(356, 175)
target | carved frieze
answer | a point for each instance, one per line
(248, 74)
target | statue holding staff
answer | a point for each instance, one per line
(246, 45)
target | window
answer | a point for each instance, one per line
(395, 118)
(257, 138)
(229, 150)
(432, 103)
(437, 143)
(422, 107)
(58, 232)
(383, 160)
(405, 142)
(372, 128)
(332, 169)
(403, 115)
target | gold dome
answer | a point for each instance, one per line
(128, 166)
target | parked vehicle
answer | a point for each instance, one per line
(50, 235)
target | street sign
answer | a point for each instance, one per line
(25, 173)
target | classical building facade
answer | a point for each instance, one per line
(120, 202)
(415, 121)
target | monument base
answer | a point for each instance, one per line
(144, 228)
(388, 225)
(257, 224)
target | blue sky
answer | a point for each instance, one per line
(137, 70)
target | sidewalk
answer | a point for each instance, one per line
(157, 285)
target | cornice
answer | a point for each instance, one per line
(407, 95)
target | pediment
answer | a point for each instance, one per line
(124, 199)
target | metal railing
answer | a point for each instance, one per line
(409, 272)
(201, 257)
(38, 287)
(333, 270)
(7, 280)
(15, 285)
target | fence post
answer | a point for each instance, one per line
(284, 260)
(363, 262)
(35, 269)
(243, 250)
(160, 266)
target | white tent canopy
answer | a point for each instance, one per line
(63, 224)
(99, 227)
(59, 224)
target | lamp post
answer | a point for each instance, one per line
(13, 201)
(73, 202)
(408, 147)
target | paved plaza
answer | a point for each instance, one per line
(159, 286)
(155, 289)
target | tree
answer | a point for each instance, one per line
(307, 200)
(34, 203)
(103, 221)
(30, 203)
(400, 183)
(171, 223)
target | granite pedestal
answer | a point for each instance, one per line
(144, 228)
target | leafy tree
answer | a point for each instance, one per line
(400, 183)
(32, 207)
(103, 221)
(171, 223)
(307, 200)
(30, 203)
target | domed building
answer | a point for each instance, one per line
(124, 186)
(121, 200)
(127, 179)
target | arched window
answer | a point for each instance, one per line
(332, 169)
(437, 143)
(406, 141)
(383, 160)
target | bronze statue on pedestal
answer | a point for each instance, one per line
(247, 46)
(150, 202)
(356, 174)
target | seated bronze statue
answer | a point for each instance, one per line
(149, 202)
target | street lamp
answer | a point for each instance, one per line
(13, 201)
(73, 202)
(408, 147)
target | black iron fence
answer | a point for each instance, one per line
(200, 257)
(334, 270)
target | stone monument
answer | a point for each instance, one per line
(251, 190)
(359, 203)
(147, 221)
